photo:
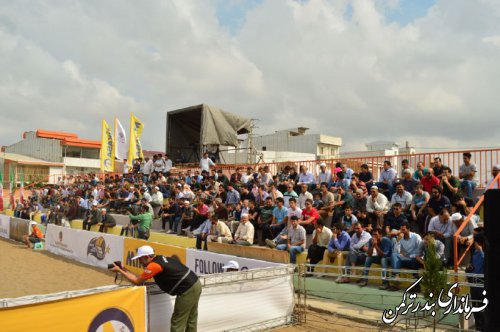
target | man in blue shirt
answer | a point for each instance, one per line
(387, 178)
(379, 252)
(279, 214)
(233, 196)
(340, 241)
(405, 252)
(357, 251)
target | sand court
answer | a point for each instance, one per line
(25, 271)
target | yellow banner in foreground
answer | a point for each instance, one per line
(130, 250)
(113, 311)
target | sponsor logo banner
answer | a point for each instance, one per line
(18, 228)
(130, 250)
(4, 226)
(119, 310)
(204, 262)
(96, 249)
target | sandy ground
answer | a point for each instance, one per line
(27, 272)
(321, 322)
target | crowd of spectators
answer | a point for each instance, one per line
(337, 209)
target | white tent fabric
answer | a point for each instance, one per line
(221, 128)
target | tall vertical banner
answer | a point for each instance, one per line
(21, 189)
(1, 190)
(135, 148)
(11, 187)
(120, 141)
(107, 148)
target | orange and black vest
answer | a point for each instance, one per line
(175, 278)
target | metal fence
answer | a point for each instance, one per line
(411, 322)
(484, 160)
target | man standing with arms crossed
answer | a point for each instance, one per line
(174, 278)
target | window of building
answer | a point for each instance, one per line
(73, 152)
(78, 152)
(90, 153)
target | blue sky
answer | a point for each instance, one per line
(409, 10)
(231, 13)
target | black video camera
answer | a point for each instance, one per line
(117, 263)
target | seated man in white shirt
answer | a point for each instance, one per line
(320, 239)
(245, 232)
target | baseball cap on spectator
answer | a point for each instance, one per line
(33, 222)
(456, 216)
(322, 165)
(143, 251)
(231, 265)
(157, 188)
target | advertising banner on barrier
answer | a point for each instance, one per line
(96, 249)
(205, 262)
(228, 307)
(18, 228)
(4, 226)
(131, 245)
(119, 310)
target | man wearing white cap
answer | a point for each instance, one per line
(156, 201)
(231, 266)
(324, 175)
(173, 278)
(35, 236)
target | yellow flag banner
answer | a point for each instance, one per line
(130, 250)
(107, 148)
(118, 310)
(135, 148)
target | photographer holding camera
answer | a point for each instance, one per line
(173, 278)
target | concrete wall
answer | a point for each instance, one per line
(282, 141)
(278, 156)
(81, 162)
(54, 174)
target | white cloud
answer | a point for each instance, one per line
(291, 64)
(493, 40)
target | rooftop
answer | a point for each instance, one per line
(25, 160)
(68, 139)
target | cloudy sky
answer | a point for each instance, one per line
(427, 71)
